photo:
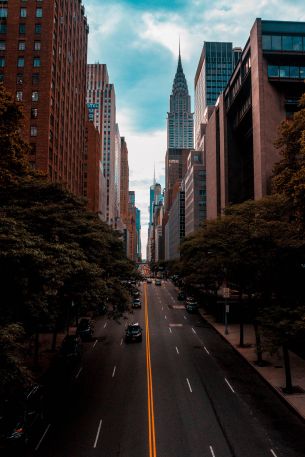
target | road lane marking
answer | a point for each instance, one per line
(98, 433)
(42, 438)
(194, 331)
(230, 385)
(105, 324)
(177, 350)
(150, 397)
(170, 330)
(162, 308)
(273, 453)
(121, 342)
(113, 373)
(206, 350)
(165, 317)
(79, 372)
(212, 451)
(185, 317)
(94, 344)
(176, 325)
(189, 384)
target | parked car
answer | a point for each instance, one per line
(19, 418)
(149, 280)
(71, 347)
(181, 295)
(136, 303)
(158, 282)
(85, 329)
(133, 333)
(191, 307)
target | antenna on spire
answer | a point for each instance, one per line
(154, 173)
(179, 47)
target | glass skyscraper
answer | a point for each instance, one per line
(180, 121)
(215, 67)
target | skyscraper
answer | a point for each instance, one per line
(180, 122)
(43, 57)
(215, 67)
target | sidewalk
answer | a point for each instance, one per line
(274, 373)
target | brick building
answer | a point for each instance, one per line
(263, 90)
(43, 53)
(124, 182)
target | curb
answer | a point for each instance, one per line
(271, 386)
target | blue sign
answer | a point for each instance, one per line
(92, 106)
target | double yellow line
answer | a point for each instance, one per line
(150, 396)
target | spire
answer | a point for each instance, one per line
(154, 173)
(180, 84)
(179, 59)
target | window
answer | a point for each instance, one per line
(37, 28)
(21, 45)
(1, 77)
(36, 62)
(19, 78)
(33, 131)
(34, 113)
(35, 78)
(284, 72)
(35, 96)
(38, 12)
(294, 72)
(2, 62)
(22, 12)
(37, 46)
(273, 71)
(20, 62)
(2, 45)
(287, 43)
(3, 28)
(297, 43)
(3, 11)
(19, 95)
(22, 29)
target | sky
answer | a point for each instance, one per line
(138, 40)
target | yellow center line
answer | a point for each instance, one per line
(150, 397)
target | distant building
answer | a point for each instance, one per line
(175, 227)
(195, 192)
(138, 228)
(263, 90)
(124, 181)
(43, 55)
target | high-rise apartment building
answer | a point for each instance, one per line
(180, 122)
(43, 54)
(215, 67)
(124, 181)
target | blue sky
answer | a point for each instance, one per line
(138, 40)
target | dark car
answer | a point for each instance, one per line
(181, 296)
(136, 294)
(19, 418)
(158, 282)
(71, 347)
(149, 280)
(136, 303)
(85, 329)
(191, 307)
(133, 333)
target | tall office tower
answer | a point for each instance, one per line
(97, 78)
(43, 54)
(117, 178)
(108, 145)
(124, 182)
(195, 192)
(180, 122)
(138, 229)
(132, 226)
(215, 67)
(175, 227)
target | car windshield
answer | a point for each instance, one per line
(134, 329)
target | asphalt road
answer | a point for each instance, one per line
(182, 392)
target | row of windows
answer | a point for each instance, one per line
(21, 62)
(23, 12)
(35, 96)
(284, 71)
(22, 28)
(283, 43)
(21, 45)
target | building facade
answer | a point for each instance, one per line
(43, 55)
(263, 90)
(124, 181)
(215, 67)
(175, 227)
(195, 192)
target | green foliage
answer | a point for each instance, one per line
(289, 173)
